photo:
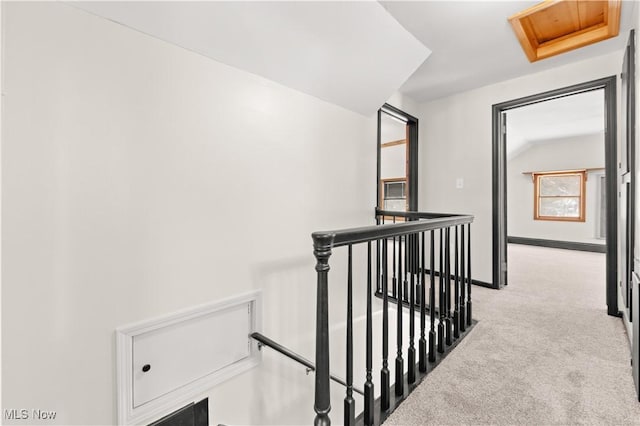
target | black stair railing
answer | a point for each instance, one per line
(402, 276)
(265, 341)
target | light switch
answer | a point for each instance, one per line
(459, 183)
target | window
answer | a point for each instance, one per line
(394, 194)
(559, 195)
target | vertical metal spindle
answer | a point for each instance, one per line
(447, 275)
(432, 298)
(322, 244)
(469, 275)
(463, 289)
(349, 402)
(422, 343)
(399, 360)
(384, 372)
(368, 384)
(456, 297)
(441, 303)
(411, 353)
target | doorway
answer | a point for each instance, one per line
(555, 164)
(397, 170)
(499, 178)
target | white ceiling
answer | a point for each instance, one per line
(473, 45)
(353, 54)
(574, 115)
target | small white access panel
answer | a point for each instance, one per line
(165, 362)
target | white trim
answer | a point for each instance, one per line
(158, 407)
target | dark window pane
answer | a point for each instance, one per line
(394, 190)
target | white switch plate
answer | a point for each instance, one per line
(459, 183)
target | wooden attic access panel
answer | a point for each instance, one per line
(557, 26)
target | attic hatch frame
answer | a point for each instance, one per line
(499, 180)
(558, 26)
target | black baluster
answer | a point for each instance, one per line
(447, 274)
(322, 244)
(349, 402)
(469, 275)
(432, 299)
(399, 360)
(418, 268)
(456, 297)
(378, 271)
(422, 343)
(394, 265)
(405, 283)
(411, 353)
(384, 372)
(368, 385)
(379, 221)
(463, 290)
(441, 303)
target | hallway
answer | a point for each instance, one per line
(544, 352)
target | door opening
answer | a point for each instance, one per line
(562, 204)
(397, 177)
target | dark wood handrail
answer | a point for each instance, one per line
(414, 214)
(363, 234)
(264, 340)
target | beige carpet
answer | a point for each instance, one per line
(544, 352)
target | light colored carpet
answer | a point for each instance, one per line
(544, 352)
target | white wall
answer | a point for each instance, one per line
(455, 141)
(139, 179)
(1, 140)
(578, 152)
(404, 103)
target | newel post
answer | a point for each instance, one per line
(322, 244)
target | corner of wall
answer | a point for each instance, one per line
(404, 103)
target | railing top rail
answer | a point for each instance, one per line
(375, 232)
(415, 214)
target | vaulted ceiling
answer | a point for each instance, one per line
(473, 44)
(354, 54)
